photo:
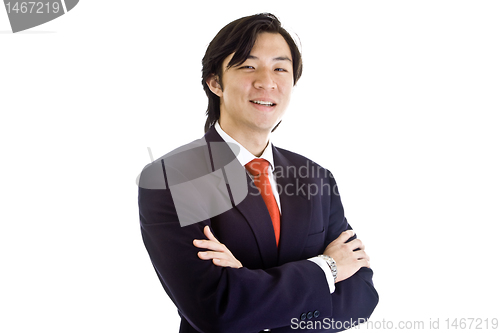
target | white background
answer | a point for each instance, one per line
(399, 99)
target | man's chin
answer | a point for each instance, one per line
(263, 128)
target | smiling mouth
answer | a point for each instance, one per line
(263, 103)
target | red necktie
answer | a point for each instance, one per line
(259, 169)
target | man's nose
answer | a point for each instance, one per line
(264, 80)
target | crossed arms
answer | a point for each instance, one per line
(349, 256)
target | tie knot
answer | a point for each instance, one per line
(257, 167)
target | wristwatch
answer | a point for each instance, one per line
(333, 265)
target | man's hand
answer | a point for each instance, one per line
(348, 261)
(220, 254)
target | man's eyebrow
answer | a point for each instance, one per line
(283, 58)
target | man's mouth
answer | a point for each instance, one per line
(263, 103)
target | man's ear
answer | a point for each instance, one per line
(214, 85)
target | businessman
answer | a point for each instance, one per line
(245, 236)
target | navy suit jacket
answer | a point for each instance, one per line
(275, 285)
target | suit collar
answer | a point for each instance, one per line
(244, 155)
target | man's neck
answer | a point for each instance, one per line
(254, 141)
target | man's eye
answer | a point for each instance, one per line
(247, 67)
(280, 69)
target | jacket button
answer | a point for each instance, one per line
(303, 316)
(309, 315)
(316, 314)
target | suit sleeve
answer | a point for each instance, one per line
(218, 299)
(354, 298)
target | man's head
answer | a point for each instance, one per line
(252, 61)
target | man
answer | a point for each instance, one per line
(282, 256)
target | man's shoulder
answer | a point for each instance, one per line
(291, 156)
(186, 161)
(287, 159)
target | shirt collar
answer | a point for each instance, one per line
(244, 156)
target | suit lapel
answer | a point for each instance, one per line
(255, 212)
(295, 209)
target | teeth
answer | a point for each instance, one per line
(263, 103)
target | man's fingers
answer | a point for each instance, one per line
(356, 244)
(209, 234)
(205, 255)
(220, 259)
(220, 254)
(365, 263)
(225, 263)
(346, 235)
(361, 255)
(209, 245)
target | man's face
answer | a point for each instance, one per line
(257, 92)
